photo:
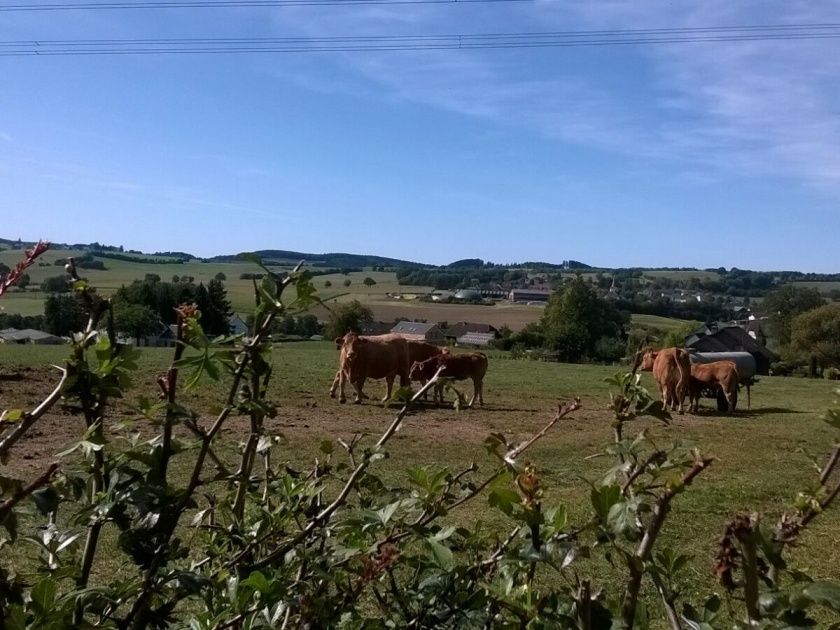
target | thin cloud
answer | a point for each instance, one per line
(755, 109)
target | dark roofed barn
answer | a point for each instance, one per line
(732, 339)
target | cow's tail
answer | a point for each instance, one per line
(684, 368)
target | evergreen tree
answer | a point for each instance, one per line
(214, 306)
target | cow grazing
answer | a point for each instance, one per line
(671, 369)
(384, 356)
(459, 367)
(722, 374)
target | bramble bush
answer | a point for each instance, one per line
(263, 545)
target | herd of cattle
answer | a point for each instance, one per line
(392, 356)
(677, 377)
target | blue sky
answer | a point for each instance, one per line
(671, 155)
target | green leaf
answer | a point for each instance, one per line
(503, 498)
(387, 512)
(43, 595)
(46, 500)
(824, 593)
(603, 498)
(256, 581)
(440, 554)
(15, 618)
(11, 415)
(623, 519)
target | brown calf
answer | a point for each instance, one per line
(723, 374)
(458, 367)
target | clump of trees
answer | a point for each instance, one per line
(64, 314)
(162, 299)
(347, 317)
(783, 305)
(817, 333)
(297, 325)
(577, 325)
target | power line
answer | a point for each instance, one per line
(221, 4)
(360, 43)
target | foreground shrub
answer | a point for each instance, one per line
(264, 545)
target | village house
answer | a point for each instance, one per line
(478, 339)
(455, 331)
(237, 325)
(29, 335)
(529, 295)
(419, 331)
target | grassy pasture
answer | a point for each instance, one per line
(762, 453)
(822, 287)
(663, 323)
(241, 293)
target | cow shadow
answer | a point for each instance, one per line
(709, 412)
(763, 411)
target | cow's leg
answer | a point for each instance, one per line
(474, 396)
(437, 396)
(479, 387)
(357, 386)
(389, 384)
(335, 383)
(342, 382)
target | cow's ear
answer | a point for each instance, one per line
(445, 351)
(339, 341)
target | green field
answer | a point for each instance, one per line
(762, 454)
(241, 293)
(663, 323)
(822, 287)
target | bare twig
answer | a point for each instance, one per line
(42, 480)
(562, 410)
(31, 417)
(833, 460)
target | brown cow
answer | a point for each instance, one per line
(723, 374)
(459, 367)
(383, 356)
(417, 351)
(671, 369)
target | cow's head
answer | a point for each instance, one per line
(351, 346)
(423, 369)
(648, 357)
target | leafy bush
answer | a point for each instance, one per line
(783, 368)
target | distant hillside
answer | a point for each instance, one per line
(334, 260)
